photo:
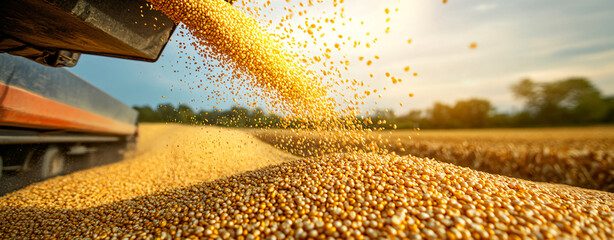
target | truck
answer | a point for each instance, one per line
(52, 121)
(48, 113)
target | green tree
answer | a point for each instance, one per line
(472, 113)
(168, 113)
(147, 114)
(413, 119)
(570, 101)
(609, 118)
(441, 116)
(185, 114)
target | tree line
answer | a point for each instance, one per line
(234, 117)
(568, 102)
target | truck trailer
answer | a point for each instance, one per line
(51, 121)
(49, 114)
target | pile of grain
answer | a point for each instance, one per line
(167, 157)
(351, 196)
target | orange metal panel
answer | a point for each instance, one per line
(22, 108)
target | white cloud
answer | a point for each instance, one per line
(485, 7)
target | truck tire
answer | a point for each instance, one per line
(52, 162)
(1, 167)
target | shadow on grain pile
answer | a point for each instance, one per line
(563, 161)
(105, 154)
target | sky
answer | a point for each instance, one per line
(544, 40)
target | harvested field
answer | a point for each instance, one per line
(575, 156)
(168, 189)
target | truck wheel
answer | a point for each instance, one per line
(52, 162)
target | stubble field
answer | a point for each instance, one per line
(581, 156)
